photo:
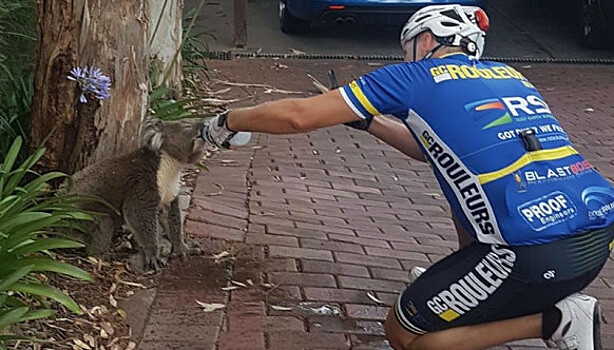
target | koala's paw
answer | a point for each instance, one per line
(152, 262)
(181, 250)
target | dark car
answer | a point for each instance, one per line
(295, 16)
(596, 22)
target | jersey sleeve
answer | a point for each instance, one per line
(384, 91)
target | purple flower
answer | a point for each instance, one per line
(91, 79)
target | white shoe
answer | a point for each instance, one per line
(580, 324)
(415, 272)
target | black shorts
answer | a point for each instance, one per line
(484, 283)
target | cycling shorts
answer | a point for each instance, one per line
(484, 283)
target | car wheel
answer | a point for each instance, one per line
(290, 24)
(592, 25)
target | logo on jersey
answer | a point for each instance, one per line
(557, 173)
(446, 72)
(521, 185)
(547, 210)
(599, 201)
(476, 286)
(508, 110)
(469, 190)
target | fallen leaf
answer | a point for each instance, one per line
(221, 255)
(297, 52)
(112, 301)
(230, 288)
(104, 334)
(107, 327)
(122, 313)
(131, 346)
(250, 282)
(240, 284)
(280, 308)
(374, 298)
(210, 307)
(132, 284)
(81, 344)
(268, 285)
(90, 340)
(218, 192)
(434, 194)
(589, 110)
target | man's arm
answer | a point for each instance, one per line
(295, 115)
(396, 135)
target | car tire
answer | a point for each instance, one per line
(592, 26)
(290, 24)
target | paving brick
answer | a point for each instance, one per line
(332, 246)
(301, 340)
(203, 230)
(264, 239)
(295, 232)
(367, 312)
(254, 323)
(302, 279)
(173, 345)
(359, 240)
(217, 219)
(400, 254)
(300, 253)
(330, 324)
(370, 284)
(336, 295)
(201, 204)
(363, 260)
(334, 268)
(392, 275)
(240, 340)
(193, 333)
(325, 228)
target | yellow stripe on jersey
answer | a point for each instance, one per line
(528, 158)
(363, 99)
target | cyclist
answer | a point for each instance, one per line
(540, 216)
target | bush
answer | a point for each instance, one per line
(17, 62)
(31, 217)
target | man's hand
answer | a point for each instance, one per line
(216, 132)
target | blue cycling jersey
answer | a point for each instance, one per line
(503, 161)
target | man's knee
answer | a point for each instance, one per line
(398, 337)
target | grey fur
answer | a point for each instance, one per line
(143, 186)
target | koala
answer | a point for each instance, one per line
(143, 187)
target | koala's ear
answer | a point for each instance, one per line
(152, 133)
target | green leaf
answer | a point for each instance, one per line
(48, 292)
(37, 314)
(12, 316)
(47, 244)
(15, 276)
(42, 180)
(23, 219)
(11, 155)
(45, 264)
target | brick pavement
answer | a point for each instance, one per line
(317, 221)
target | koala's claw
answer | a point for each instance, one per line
(152, 262)
(181, 250)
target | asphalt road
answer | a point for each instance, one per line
(519, 28)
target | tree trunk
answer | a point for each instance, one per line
(112, 35)
(166, 33)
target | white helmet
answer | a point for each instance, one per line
(452, 25)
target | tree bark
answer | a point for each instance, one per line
(166, 34)
(112, 35)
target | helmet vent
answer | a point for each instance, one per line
(452, 14)
(449, 24)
